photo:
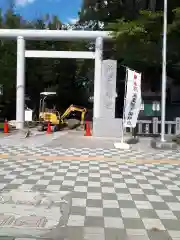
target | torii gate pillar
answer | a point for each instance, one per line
(20, 83)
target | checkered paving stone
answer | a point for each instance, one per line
(110, 200)
(75, 152)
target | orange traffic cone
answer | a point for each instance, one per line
(49, 128)
(6, 127)
(88, 130)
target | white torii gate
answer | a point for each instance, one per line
(25, 34)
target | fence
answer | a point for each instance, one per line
(153, 127)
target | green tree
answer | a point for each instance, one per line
(8, 64)
(138, 42)
(67, 77)
(98, 14)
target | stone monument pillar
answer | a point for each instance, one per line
(106, 125)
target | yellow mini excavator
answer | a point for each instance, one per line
(52, 116)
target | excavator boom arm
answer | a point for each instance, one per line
(73, 108)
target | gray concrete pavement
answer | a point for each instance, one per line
(74, 143)
(71, 139)
(107, 199)
(35, 140)
(76, 139)
(50, 190)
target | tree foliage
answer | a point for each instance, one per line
(66, 76)
(137, 31)
(98, 14)
(139, 41)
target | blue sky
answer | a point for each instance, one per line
(67, 10)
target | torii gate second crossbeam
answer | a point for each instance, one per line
(29, 34)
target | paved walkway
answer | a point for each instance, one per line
(96, 153)
(110, 199)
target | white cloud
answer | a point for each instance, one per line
(22, 3)
(73, 20)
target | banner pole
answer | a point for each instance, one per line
(125, 90)
(132, 101)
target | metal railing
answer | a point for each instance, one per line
(153, 127)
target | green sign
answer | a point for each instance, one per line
(148, 111)
(151, 109)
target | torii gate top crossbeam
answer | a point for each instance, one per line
(34, 34)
